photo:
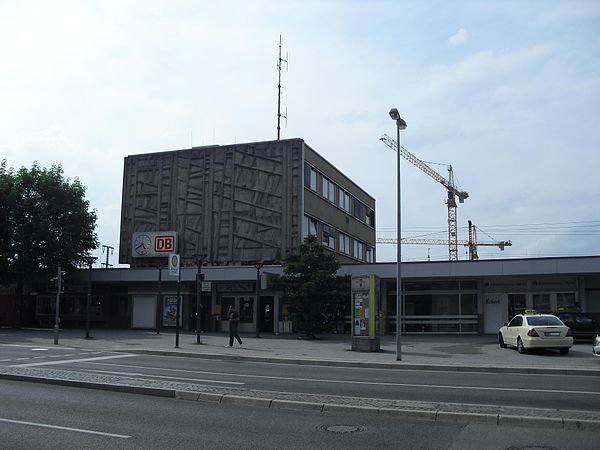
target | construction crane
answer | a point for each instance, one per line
(453, 192)
(471, 244)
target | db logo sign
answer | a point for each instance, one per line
(164, 244)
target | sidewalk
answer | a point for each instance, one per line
(434, 352)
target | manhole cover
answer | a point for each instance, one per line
(341, 428)
(530, 447)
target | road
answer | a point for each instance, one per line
(573, 392)
(56, 417)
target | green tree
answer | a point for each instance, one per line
(45, 222)
(313, 290)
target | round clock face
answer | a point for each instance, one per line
(142, 244)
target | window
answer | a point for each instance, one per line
(310, 178)
(370, 254)
(358, 250)
(359, 210)
(309, 226)
(344, 244)
(541, 302)
(328, 236)
(328, 190)
(370, 218)
(344, 200)
(565, 300)
(246, 309)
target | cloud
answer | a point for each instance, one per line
(459, 38)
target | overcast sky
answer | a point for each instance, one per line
(508, 92)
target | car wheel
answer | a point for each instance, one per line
(501, 341)
(564, 351)
(520, 347)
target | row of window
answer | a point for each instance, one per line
(338, 241)
(338, 196)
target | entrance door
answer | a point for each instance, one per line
(265, 314)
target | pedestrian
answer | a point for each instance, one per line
(234, 317)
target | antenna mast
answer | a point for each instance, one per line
(279, 115)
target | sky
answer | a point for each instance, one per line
(507, 92)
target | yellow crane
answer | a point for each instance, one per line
(452, 190)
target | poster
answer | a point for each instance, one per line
(170, 311)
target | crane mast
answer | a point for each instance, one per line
(452, 190)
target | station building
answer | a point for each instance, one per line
(234, 213)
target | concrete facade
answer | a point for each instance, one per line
(243, 203)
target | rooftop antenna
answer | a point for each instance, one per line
(279, 115)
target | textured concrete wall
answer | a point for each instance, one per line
(232, 204)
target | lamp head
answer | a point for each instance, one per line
(395, 115)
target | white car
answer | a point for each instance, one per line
(527, 331)
(596, 346)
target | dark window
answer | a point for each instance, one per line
(359, 210)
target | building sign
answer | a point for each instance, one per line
(153, 244)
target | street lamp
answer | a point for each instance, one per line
(400, 125)
(258, 266)
(89, 260)
(199, 280)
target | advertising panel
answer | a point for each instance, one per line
(170, 311)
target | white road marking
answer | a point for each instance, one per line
(67, 361)
(29, 346)
(162, 377)
(372, 383)
(39, 349)
(56, 427)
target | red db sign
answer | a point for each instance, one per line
(164, 244)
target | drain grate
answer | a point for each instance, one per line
(341, 428)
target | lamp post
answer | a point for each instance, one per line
(400, 125)
(199, 280)
(90, 260)
(258, 266)
(159, 302)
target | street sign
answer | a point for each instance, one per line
(206, 286)
(174, 263)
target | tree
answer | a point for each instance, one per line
(313, 290)
(45, 222)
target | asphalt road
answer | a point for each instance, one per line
(55, 417)
(523, 390)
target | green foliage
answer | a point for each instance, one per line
(313, 290)
(44, 221)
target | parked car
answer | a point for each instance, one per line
(596, 346)
(581, 325)
(528, 331)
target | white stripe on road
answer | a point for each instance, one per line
(372, 383)
(56, 427)
(162, 377)
(67, 361)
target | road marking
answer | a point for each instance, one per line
(162, 377)
(67, 361)
(56, 427)
(372, 383)
(39, 349)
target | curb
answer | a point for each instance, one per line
(435, 414)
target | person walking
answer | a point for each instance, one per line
(234, 319)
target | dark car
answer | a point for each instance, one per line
(582, 325)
